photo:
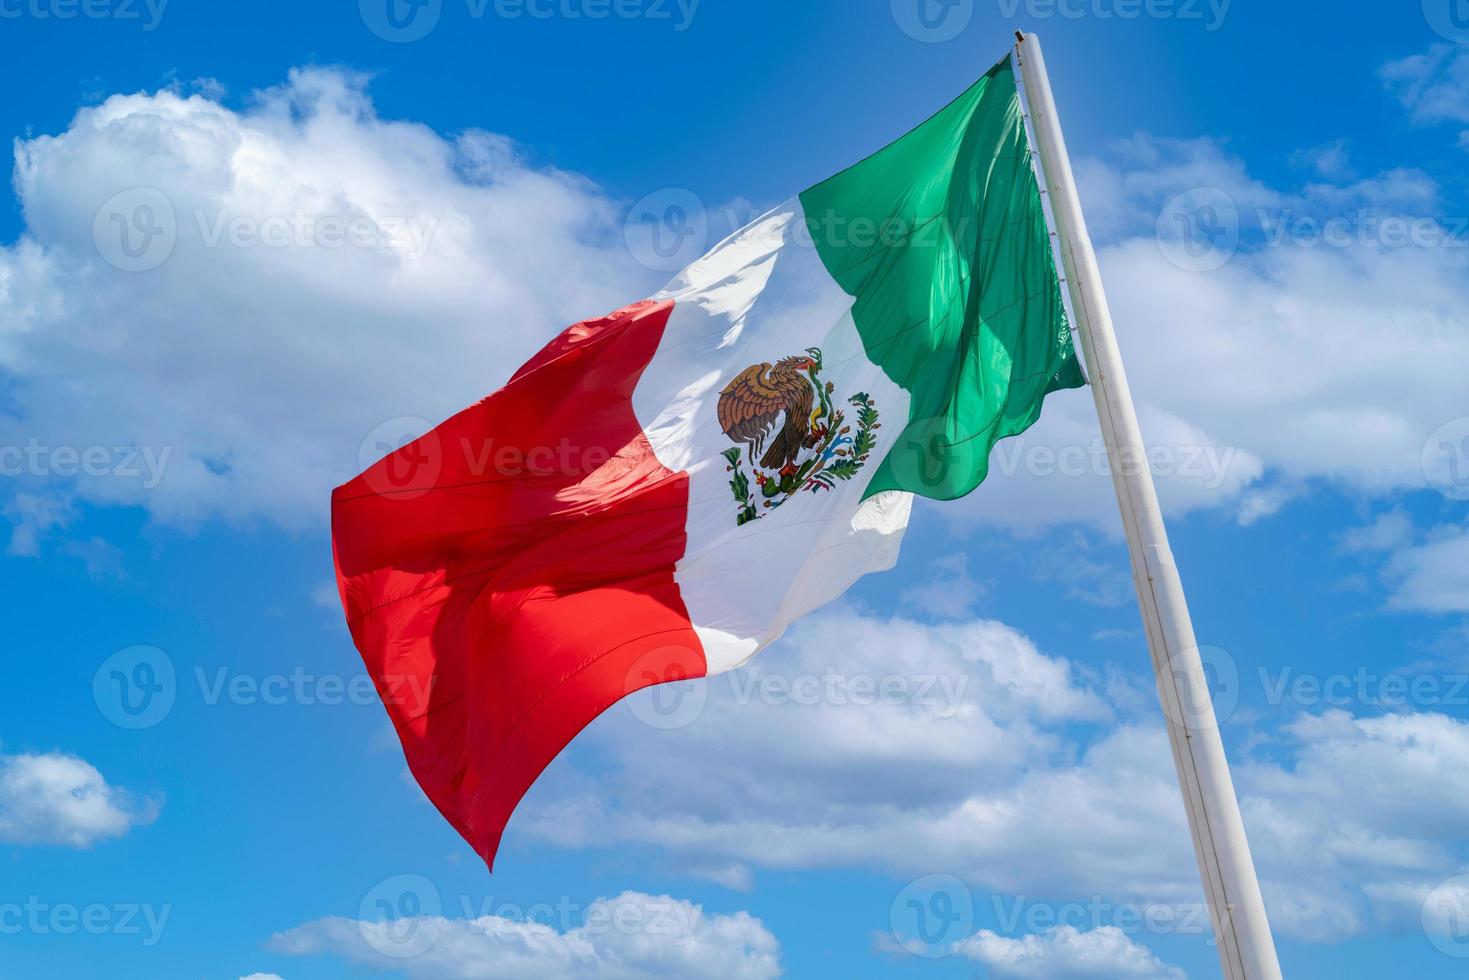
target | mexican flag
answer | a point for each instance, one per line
(659, 493)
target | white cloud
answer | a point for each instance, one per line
(1388, 531)
(734, 876)
(1066, 953)
(631, 937)
(1433, 86)
(966, 767)
(32, 517)
(261, 976)
(253, 372)
(1331, 160)
(101, 559)
(1071, 566)
(1030, 788)
(54, 798)
(1368, 819)
(1323, 364)
(1123, 195)
(947, 591)
(1297, 361)
(1257, 504)
(1057, 472)
(1424, 572)
(326, 596)
(1432, 576)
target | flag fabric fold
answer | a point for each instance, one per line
(658, 494)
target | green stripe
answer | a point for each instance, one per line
(942, 240)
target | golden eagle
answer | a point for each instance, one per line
(751, 404)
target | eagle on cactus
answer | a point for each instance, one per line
(794, 429)
(752, 404)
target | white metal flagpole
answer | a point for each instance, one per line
(1236, 909)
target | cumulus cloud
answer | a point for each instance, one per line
(55, 798)
(292, 275)
(332, 282)
(1386, 532)
(1433, 86)
(947, 590)
(1057, 472)
(631, 937)
(1366, 822)
(1432, 576)
(1423, 571)
(1043, 781)
(1275, 339)
(1123, 192)
(1331, 160)
(32, 517)
(964, 722)
(1323, 364)
(1066, 953)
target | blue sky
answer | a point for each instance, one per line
(1276, 192)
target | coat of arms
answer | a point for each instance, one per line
(796, 437)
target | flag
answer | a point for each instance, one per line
(659, 493)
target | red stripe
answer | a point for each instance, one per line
(509, 576)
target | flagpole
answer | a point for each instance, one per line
(1236, 909)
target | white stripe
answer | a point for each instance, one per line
(761, 295)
